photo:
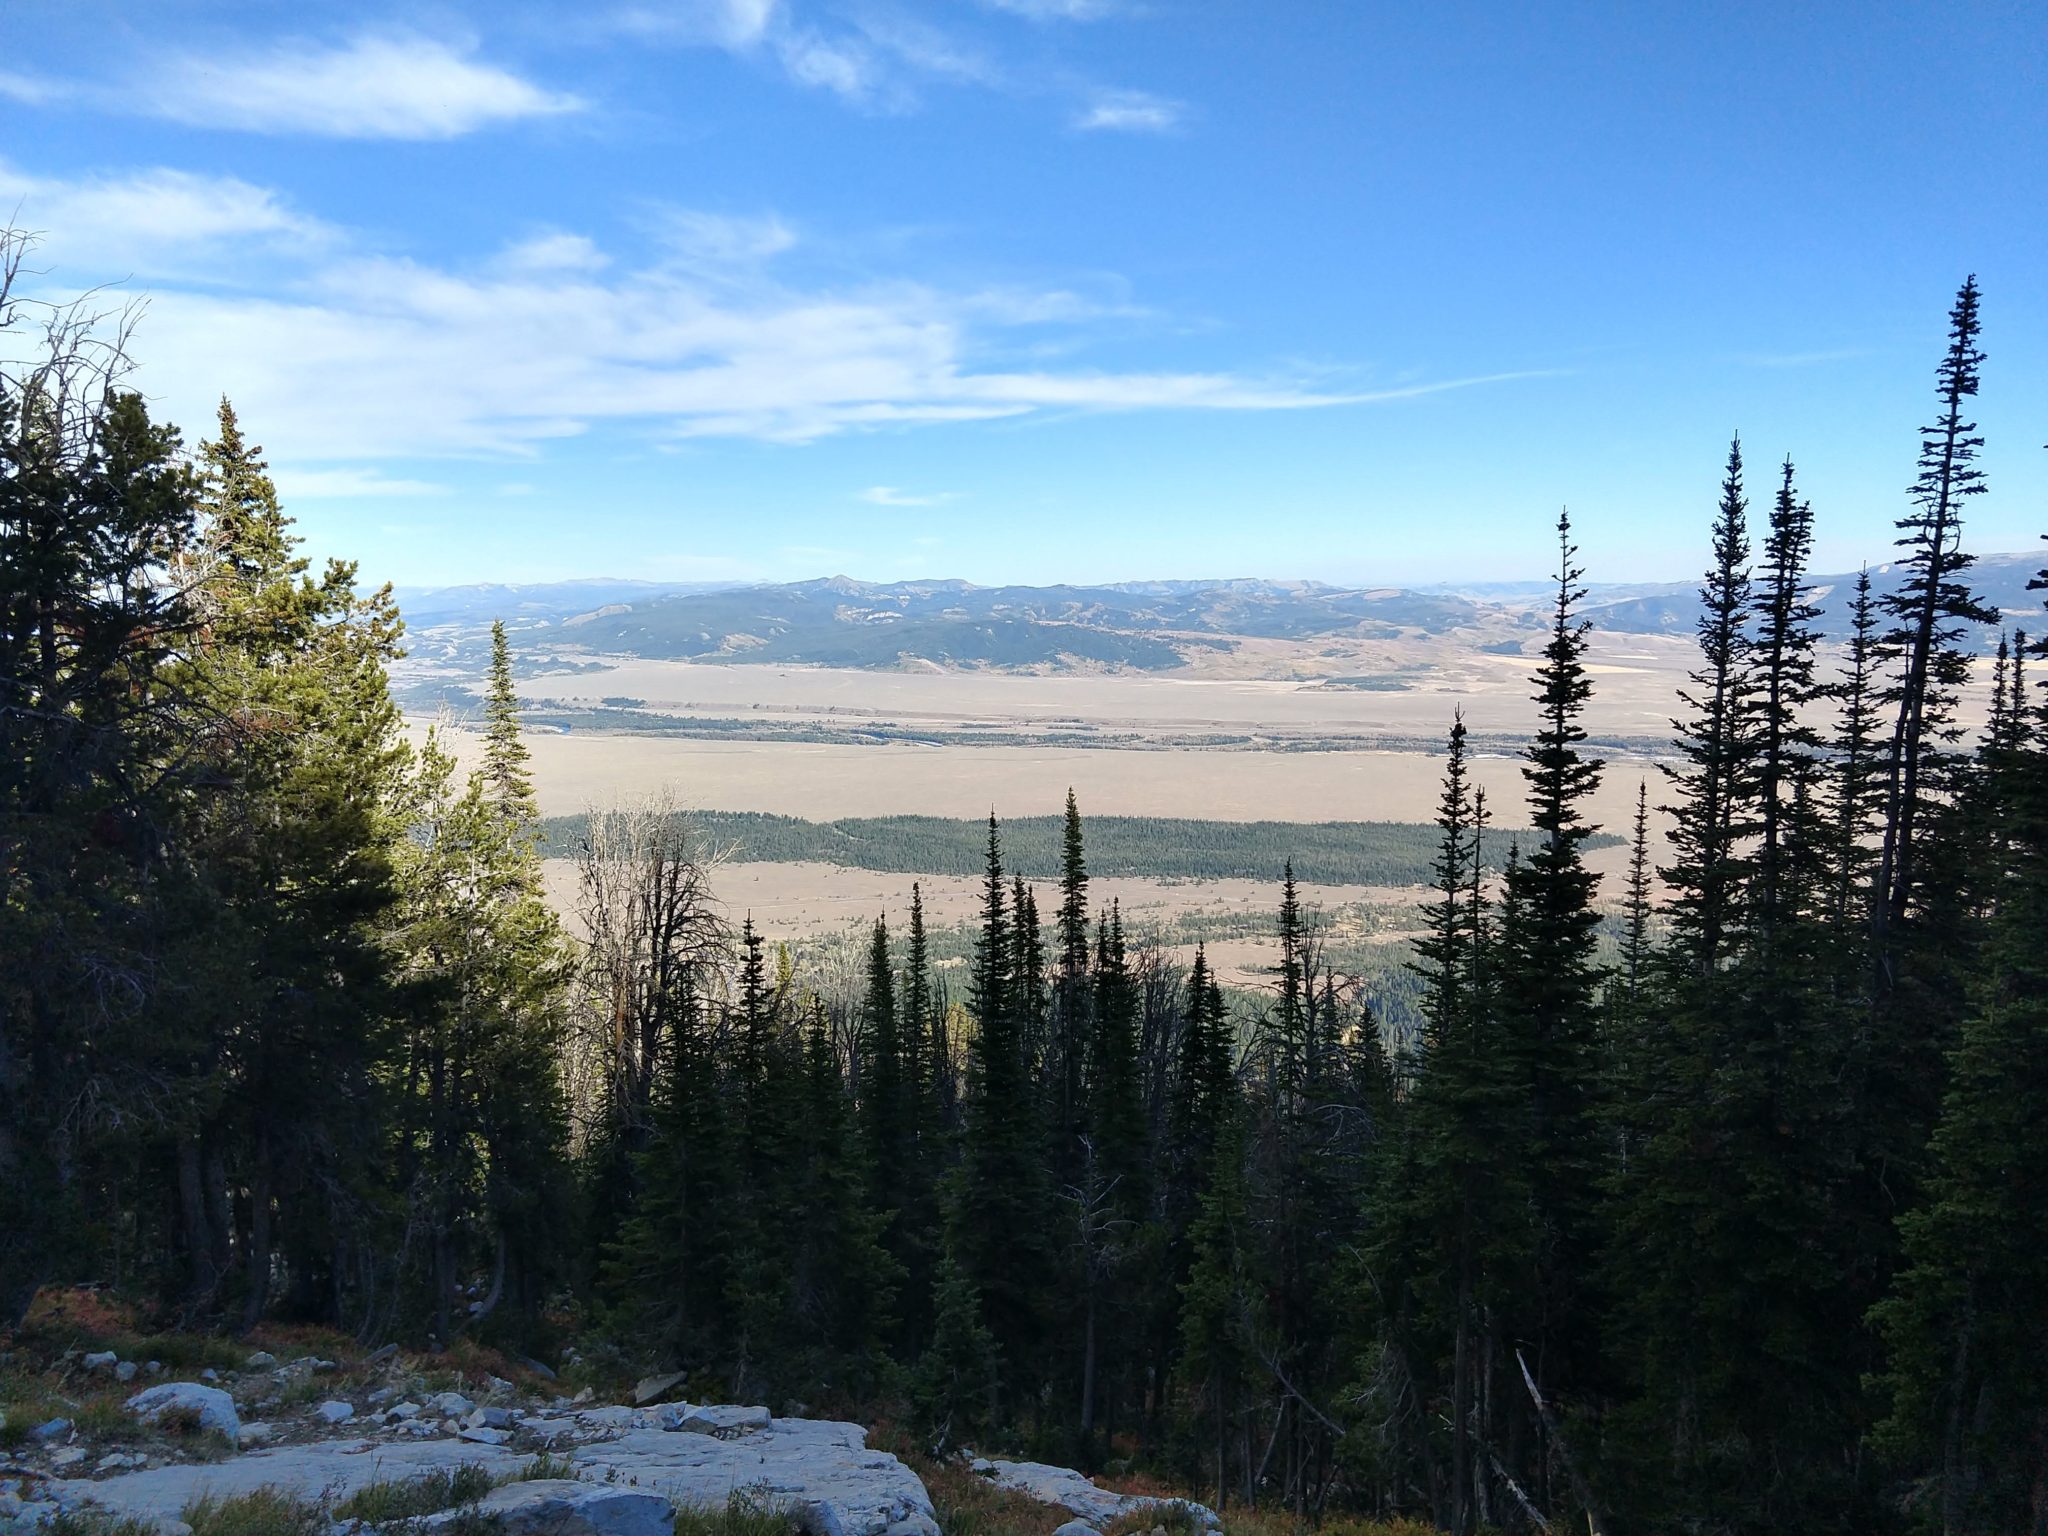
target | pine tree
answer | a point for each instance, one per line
(509, 783)
(958, 1375)
(1547, 1007)
(1786, 745)
(887, 1117)
(1636, 909)
(998, 1218)
(1714, 748)
(1072, 1018)
(1857, 789)
(1929, 612)
(1966, 1348)
(1221, 1301)
(299, 842)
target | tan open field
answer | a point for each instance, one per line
(1636, 679)
(1636, 674)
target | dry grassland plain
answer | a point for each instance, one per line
(1361, 781)
(1376, 760)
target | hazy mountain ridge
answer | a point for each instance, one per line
(1140, 625)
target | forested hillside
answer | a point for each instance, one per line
(1740, 1232)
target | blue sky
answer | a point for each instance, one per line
(1034, 290)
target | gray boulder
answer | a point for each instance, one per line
(215, 1408)
(450, 1405)
(652, 1389)
(100, 1360)
(334, 1411)
(262, 1360)
(1075, 1528)
(563, 1507)
(1095, 1506)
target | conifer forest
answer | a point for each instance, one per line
(1712, 1201)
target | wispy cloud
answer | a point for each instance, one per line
(699, 240)
(157, 222)
(1058, 10)
(348, 484)
(31, 90)
(1131, 112)
(391, 85)
(350, 359)
(889, 496)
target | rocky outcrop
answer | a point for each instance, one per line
(1063, 1486)
(821, 1470)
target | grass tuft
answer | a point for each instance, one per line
(91, 1523)
(744, 1514)
(446, 1488)
(543, 1467)
(265, 1512)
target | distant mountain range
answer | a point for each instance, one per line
(1144, 625)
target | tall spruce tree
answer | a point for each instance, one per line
(999, 1210)
(1930, 613)
(1714, 747)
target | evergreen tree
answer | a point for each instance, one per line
(1857, 789)
(1966, 1348)
(1549, 1006)
(958, 1375)
(998, 1219)
(508, 781)
(1929, 613)
(1714, 748)
(1073, 998)
(1786, 744)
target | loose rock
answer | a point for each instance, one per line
(652, 1389)
(215, 1408)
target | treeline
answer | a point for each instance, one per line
(281, 1006)
(1322, 853)
(1727, 1221)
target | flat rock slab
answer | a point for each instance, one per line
(1069, 1489)
(562, 1507)
(340, 1466)
(820, 1469)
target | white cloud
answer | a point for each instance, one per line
(342, 360)
(713, 23)
(868, 57)
(396, 85)
(347, 484)
(718, 241)
(1057, 10)
(889, 496)
(1131, 112)
(554, 252)
(31, 90)
(155, 222)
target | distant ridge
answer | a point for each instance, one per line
(1138, 625)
